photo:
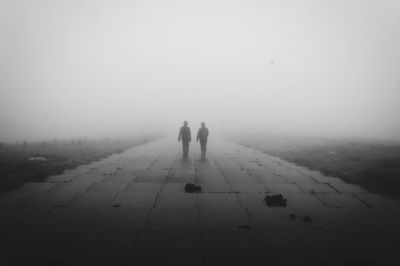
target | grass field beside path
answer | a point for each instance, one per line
(34, 162)
(375, 165)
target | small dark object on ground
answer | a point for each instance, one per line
(117, 205)
(244, 226)
(307, 219)
(58, 206)
(292, 217)
(191, 188)
(275, 200)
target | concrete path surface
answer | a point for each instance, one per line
(131, 209)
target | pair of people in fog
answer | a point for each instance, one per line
(186, 137)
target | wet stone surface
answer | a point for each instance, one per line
(132, 209)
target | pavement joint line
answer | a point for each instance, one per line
(391, 239)
(316, 195)
(156, 199)
(338, 191)
(248, 215)
(201, 232)
(308, 175)
(131, 258)
(92, 185)
(281, 176)
(364, 202)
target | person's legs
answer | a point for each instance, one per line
(203, 148)
(184, 148)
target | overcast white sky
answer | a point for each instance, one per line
(105, 68)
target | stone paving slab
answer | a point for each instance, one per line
(143, 187)
(224, 218)
(108, 187)
(377, 201)
(156, 248)
(177, 200)
(341, 201)
(317, 188)
(78, 187)
(283, 188)
(343, 187)
(271, 217)
(216, 187)
(120, 178)
(35, 187)
(249, 200)
(110, 240)
(265, 176)
(237, 248)
(89, 178)
(61, 178)
(137, 199)
(248, 188)
(13, 200)
(131, 209)
(152, 175)
(209, 176)
(173, 219)
(218, 200)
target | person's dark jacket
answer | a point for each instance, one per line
(202, 134)
(185, 134)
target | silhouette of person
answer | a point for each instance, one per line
(202, 134)
(186, 137)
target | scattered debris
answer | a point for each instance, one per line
(244, 226)
(292, 217)
(191, 188)
(275, 200)
(307, 219)
(117, 205)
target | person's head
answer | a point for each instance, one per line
(203, 125)
(185, 123)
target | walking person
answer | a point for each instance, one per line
(186, 137)
(202, 135)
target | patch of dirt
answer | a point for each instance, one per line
(191, 188)
(275, 200)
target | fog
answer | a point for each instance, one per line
(118, 68)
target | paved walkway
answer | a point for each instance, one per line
(131, 209)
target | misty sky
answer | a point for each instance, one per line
(109, 68)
